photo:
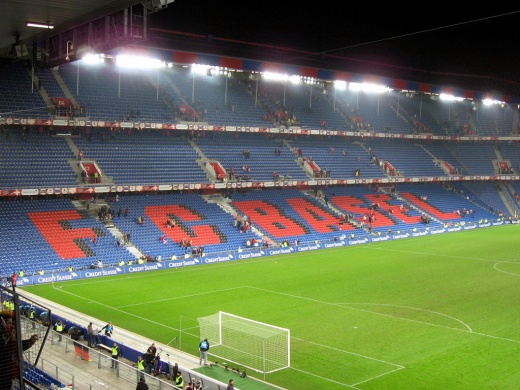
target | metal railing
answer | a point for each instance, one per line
(122, 370)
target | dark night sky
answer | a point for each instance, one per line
(428, 42)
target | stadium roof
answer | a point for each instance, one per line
(63, 15)
(378, 43)
(471, 50)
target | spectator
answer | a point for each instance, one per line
(142, 384)
(149, 356)
(75, 333)
(204, 348)
(231, 385)
(9, 350)
(90, 335)
(109, 329)
(175, 370)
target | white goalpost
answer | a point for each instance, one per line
(252, 344)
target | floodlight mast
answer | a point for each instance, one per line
(70, 45)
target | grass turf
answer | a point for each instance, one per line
(432, 312)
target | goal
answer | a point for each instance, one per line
(251, 344)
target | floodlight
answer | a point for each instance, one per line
(49, 26)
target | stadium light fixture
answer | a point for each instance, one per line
(137, 62)
(340, 85)
(275, 76)
(92, 59)
(368, 87)
(490, 102)
(449, 98)
(47, 25)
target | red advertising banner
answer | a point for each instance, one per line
(62, 102)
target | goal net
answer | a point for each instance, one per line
(255, 345)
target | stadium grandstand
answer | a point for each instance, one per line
(105, 169)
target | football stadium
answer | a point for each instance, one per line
(318, 228)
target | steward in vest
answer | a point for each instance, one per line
(32, 317)
(140, 364)
(179, 380)
(59, 328)
(115, 355)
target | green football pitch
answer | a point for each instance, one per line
(432, 312)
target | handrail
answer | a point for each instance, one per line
(61, 367)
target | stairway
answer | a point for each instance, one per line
(202, 162)
(75, 164)
(111, 227)
(63, 86)
(500, 159)
(226, 205)
(505, 192)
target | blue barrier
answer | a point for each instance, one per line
(344, 240)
